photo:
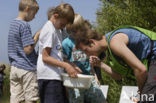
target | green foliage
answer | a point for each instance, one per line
(115, 86)
(114, 13)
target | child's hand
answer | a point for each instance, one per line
(78, 70)
(98, 82)
(94, 60)
(36, 36)
(71, 70)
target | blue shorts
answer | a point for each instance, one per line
(92, 95)
(51, 91)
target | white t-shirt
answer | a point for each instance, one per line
(50, 37)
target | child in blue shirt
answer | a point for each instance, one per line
(80, 59)
(22, 55)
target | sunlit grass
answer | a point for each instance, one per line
(115, 87)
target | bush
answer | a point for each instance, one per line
(6, 86)
(114, 13)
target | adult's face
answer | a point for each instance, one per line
(92, 49)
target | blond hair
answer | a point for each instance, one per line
(79, 24)
(32, 4)
(64, 11)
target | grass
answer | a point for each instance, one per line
(115, 86)
(6, 86)
(113, 92)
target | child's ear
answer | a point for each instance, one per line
(92, 41)
(26, 9)
(56, 15)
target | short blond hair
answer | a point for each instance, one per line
(32, 4)
(78, 24)
(64, 11)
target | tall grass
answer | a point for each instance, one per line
(115, 87)
(6, 86)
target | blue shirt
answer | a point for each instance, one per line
(20, 36)
(76, 56)
(138, 43)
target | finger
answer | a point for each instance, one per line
(78, 70)
(72, 76)
(90, 60)
(75, 75)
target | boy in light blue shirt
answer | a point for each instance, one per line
(80, 59)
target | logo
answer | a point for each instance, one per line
(59, 47)
(136, 97)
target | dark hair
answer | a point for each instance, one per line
(84, 36)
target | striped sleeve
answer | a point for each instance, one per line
(26, 35)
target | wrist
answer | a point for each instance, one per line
(65, 65)
(36, 39)
(36, 36)
(100, 64)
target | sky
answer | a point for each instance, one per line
(9, 11)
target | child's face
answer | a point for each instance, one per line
(60, 23)
(30, 15)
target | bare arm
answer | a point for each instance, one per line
(28, 49)
(54, 62)
(110, 71)
(95, 75)
(94, 60)
(118, 45)
(74, 65)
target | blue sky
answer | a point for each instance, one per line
(9, 11)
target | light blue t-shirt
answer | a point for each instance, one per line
(76, 56)
(138, 43)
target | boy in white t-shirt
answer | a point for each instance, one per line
(50, 61)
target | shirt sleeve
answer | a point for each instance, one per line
(49, 39)
(26, 35)
(67, 49)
